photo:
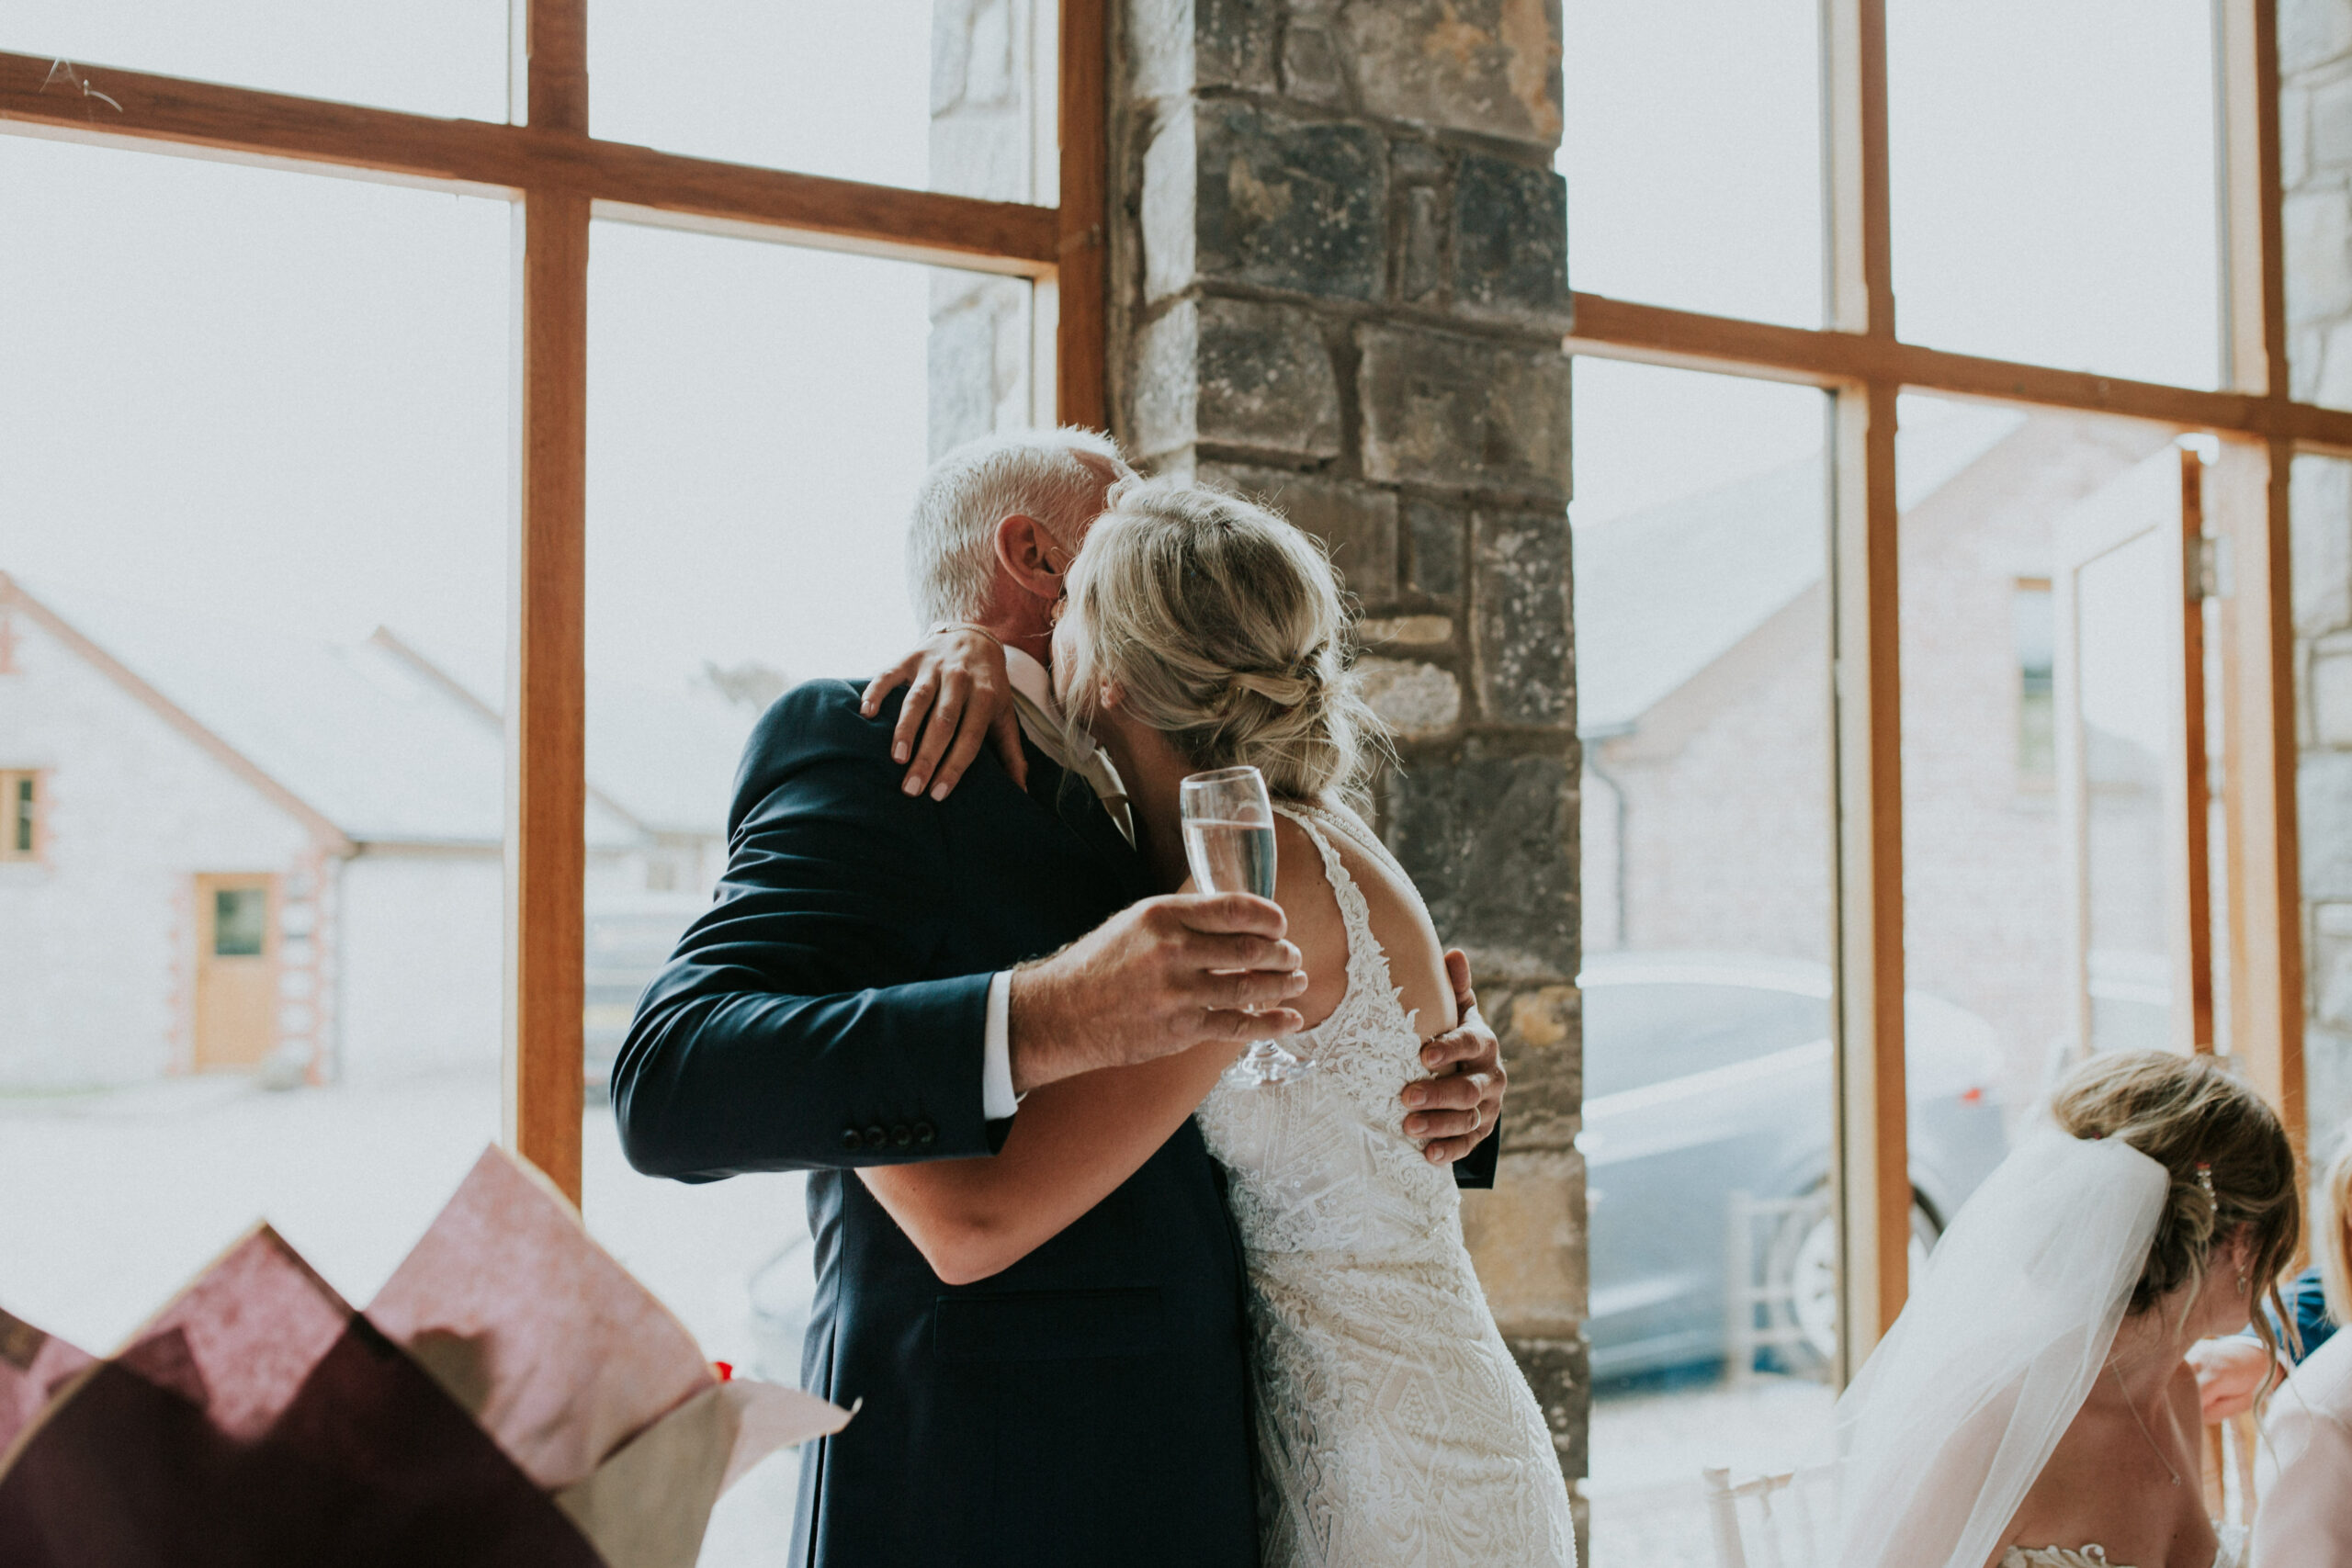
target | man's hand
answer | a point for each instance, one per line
(1154, 979)
(1462, 1101)
(2230, 1374)
(956, 677)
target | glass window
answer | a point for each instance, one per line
(259, 974)
(240, 921)
(2053, 180)
(838, 90)
(2041, 716)
(1703, 649)
(437, 57)
(20, 796)
(759, 417)
(1692, 152)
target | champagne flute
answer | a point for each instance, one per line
(1229, 843)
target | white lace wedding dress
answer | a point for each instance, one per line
(2231, 1554)
(1392, 1425)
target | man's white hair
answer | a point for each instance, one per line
(1055, 475)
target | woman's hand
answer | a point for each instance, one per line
(957, 679)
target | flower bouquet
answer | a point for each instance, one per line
(512, 1396)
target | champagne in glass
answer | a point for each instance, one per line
(1229, 842)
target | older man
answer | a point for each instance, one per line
(887, 969)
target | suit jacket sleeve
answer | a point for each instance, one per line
(1475, 1172)
(792, 1028)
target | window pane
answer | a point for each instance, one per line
(436, 57)
(848, 91)
(1703, 657)
(2041, 718)
(2053, 170)
(759, 416)
(257, 972)
(2321, 495)
(1692, 153)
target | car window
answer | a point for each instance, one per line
(1636, 1035)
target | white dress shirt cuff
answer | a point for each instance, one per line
(997, 1099)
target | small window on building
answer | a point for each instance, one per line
(240, 921)
(2036, 658)
(21, 801)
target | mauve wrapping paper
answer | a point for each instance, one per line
(531, 1326)
(34, 1368)
(257, 1420)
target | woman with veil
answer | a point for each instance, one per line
(2031, 1407)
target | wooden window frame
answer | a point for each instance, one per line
(559, 176)
(1860, 359)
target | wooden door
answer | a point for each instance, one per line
(236, 970)
(2131, 762)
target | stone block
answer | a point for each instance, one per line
(2332, 967)
(1510, 243)
(1177, 46)
(1462, 413)
(1405, 631)
(1487, 66)
(1559, 1372)
(2331, 123)
(1417, 701)
(1314, 67)
(1527, 1238)
(1420, 247)
(1236, 373)
(1236, 193)
(1519, 634)
(2320, 511)
(2330, 693)
(2324, 801)
(1356, 522)
(1434, 535)
(2312, 32)
(2319, 255)
(1489, 839)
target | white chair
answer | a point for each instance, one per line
(1767, 1521)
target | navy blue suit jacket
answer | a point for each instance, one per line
(1090, 1404)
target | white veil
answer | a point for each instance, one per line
(1961, 1406)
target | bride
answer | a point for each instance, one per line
(1393, 1427)
(2031, 1407)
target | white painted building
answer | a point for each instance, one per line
(230, 848)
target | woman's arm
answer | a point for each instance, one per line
(1070, 1147)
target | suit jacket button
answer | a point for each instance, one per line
(926, 1134)
(851, 1141)
(902, 1134)
(876, 1137)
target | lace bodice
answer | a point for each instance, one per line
(1394, 1427)
(2232, 1553)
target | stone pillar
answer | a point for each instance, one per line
(1339, 282)
(2315, 141)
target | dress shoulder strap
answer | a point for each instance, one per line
(1355, 911)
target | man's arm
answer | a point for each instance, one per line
(783, 1033)
(1459, 1112)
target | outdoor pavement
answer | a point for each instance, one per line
(114, 1200)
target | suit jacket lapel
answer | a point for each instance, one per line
(1071, 801)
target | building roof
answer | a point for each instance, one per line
(385, 747)
(1664, 592)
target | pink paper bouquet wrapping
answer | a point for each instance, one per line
(511, 1396)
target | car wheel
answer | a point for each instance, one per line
(1801, 1274)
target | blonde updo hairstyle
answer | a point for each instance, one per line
(2187, 1113)
(2331, 1230)
(1226, 630)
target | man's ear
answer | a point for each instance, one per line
(1033, 556)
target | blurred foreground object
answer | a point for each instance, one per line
(511, 1398)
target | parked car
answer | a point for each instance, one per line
(1707, 1075)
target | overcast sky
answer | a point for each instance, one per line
(289, 395)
